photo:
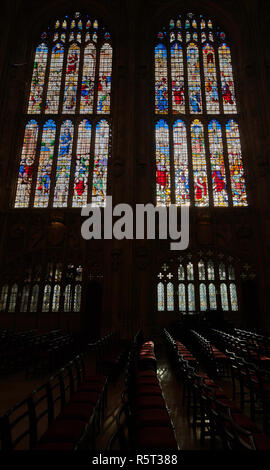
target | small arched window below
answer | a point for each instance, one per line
(46, 299)
(77, 298)
(68, 299)
(34, 298)
(13, 298)
(4, 297)
(24, 301)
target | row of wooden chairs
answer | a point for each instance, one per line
(34, 351)
(213, 360)
(213, 412)
(111, 353)
(242, 346)
(65, 413)
(253, 387)
(144, 407)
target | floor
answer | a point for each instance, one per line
(15, 388)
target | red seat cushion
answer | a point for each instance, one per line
(148, 401)
(153, 417)
(244, 422)
(80, 411)
(147, 380)
(148, 390)
(229, 404)
(261, 441)
(146, 373)
(156, 438)
(85, 397)
(64, 431)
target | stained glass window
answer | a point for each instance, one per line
(24, 300)
(191, 298)
(99, 186)
(82, 164)
(45, 165)
(88, 79)
(104, 83)
(4, 297)
(222, 272)
(199, 282)
(56, 298)
(219, 184)
(163, 163)
(203, 297)
(211, 85)
(38, 79)
(63, 158)
(181, 163)
(54, 84)
(236, 165)
(170, 299)
(177, 79)
(229, 103)
(77, 298)
(46, 299)
(201, 269)
(190, 272)
(72, 71)
(24, 183)
(63, 165)
(161, 299)
(231, 273)
(181, 273)
(224, 297)
(212, 297)
(34, 298)
(194, 78)
(161, 79)
(199, 164)
(68, 299)
(13, 298)
(58, 272)
(182, 297)
(210, 271)
(233, 294)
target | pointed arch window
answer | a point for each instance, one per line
(4, 297)
(64, 159)
(34, 298)
(200, 162)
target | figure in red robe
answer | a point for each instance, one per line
(218, 180)
(200, 189)
(80, 187)
(72, 63)
(227, 94)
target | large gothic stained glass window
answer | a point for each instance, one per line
(199, 159)
(67, 134)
